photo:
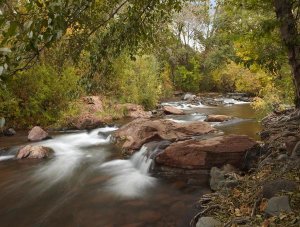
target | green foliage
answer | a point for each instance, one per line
(137, 81)
(187, 78)
(104, 28)
(233, 77)
(39, 95)
(276, 94)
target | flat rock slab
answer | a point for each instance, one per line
(218, 118)
(133, 135)
(205, 154)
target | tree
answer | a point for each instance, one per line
(104, 27)
(269, 21)
(287, 12)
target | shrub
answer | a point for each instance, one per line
(41, 94)
(188, 77)
(137, 81)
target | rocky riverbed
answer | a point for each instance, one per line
(171, 151)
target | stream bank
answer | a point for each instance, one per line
(270, 194)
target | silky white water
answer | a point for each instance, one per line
(129, 178)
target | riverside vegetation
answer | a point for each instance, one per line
(82, 64)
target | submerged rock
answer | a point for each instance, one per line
(34, 152)
(37, 134)
(9, 132)
(205, 154)
(133, 135)
(277, 205)
(208, 222)
(172, 110)
(218, 118)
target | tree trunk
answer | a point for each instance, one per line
(291, 39)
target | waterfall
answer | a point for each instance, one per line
(129, 178)
(141, 161)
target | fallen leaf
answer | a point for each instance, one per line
(263, 205)
(266, 223)
(237, 212)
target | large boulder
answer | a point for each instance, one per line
(189, 97)
(37, 134)
(172, 110)
(90, 115)
(88, 121)
(218, 118)
(133, 135)
(205, 154)
(34, 152)
(134, 110)
(93, 103)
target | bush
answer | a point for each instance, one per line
(40, 95)
(237, 78)
(137, 81)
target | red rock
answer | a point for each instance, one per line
(217, 118)
(134, 110)
(37, 134)
(88, 121)
(133, 135)
(93, 103)
(172, 110)
(34, 152)
(204, 154)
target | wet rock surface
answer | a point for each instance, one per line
(218, 118)
(87, 121)
(34, 152)
(205, 154)
(37, 134)
(140, 131)
(172, 110)
(9, 132)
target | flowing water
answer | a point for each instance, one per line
(88, 183)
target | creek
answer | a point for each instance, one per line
(88, 183)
